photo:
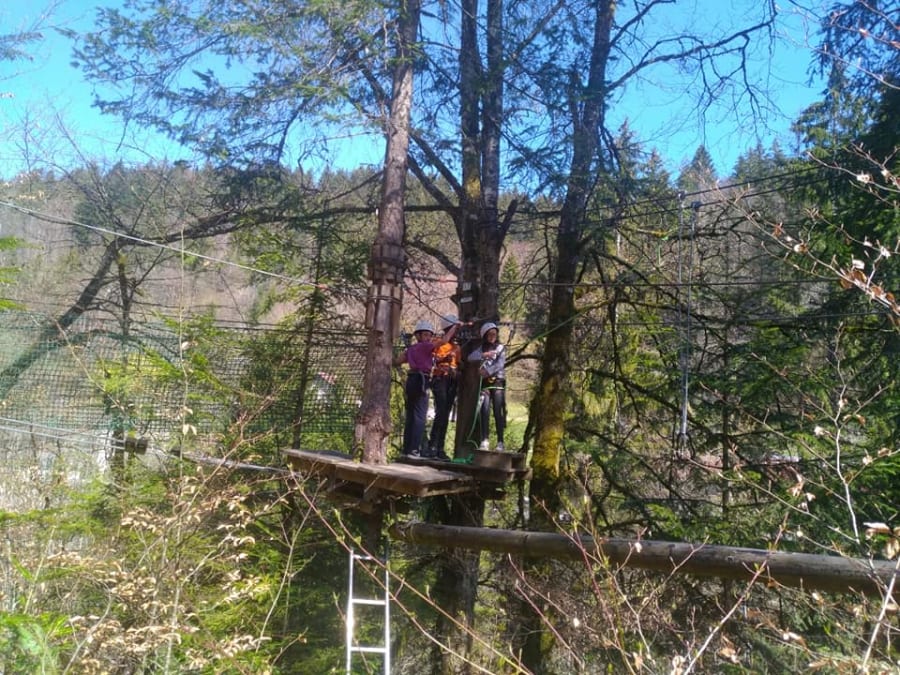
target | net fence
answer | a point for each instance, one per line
(161, 381)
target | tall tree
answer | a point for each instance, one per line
(699, 174)
(387, 263)
(478, 223)
(588, 93)
(594, 78)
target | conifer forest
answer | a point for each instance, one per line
(702, 362)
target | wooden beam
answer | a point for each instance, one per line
(800, 570)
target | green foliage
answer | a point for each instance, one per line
(766, 368)
(16, 46)
(28, 643)
(699, 174)
(512, 299)
(185, 578)
(788, 383)
(280, 50)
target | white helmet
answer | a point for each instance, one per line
(486, 327)
(448, 321)
(423, 325)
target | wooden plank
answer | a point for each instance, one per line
(397, 479)
(482, 474)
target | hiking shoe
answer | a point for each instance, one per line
(485, 445)
(441, 456)
(500, 447)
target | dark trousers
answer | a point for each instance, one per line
(416, 391)
(493, 397)
(444, 390)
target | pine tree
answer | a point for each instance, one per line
(699, 174)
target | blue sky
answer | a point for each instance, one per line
(666, 118)
(47, 91)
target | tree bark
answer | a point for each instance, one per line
(387, 262)
(481, 231)
(798, 570)
(552, 400)
(481, 236)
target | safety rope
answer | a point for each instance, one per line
(475, 415)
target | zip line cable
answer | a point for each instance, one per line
(685, 260)
(61, 436)
(156, 244)
(294, 280)
(47, 431)
(182, 251)
(683, 285)
(675, 285)
(658, 285)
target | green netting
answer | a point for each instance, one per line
(160, 382)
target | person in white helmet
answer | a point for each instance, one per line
(491, 355)
(444, 372)
(419, 357)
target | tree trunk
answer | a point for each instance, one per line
(479, 226)
(387, 262)
(455, 589)
(552, 400)
(481, 236)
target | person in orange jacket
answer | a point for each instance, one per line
(446, 359)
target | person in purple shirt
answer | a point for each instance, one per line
(419, 357)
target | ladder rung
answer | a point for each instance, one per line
(369, 650)
(358, 561)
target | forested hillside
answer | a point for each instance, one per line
(707, 357)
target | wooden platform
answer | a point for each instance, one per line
(369, 485)
(373, 483)
(496, 468)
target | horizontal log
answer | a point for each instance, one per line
(799, 570)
